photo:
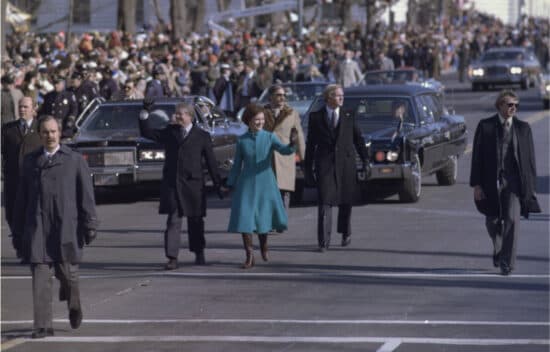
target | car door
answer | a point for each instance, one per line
(433, 135)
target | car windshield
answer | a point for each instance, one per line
(398, 76)
(503, 55)
(125, 117)
(298, 92)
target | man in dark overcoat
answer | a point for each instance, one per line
(19, 138)
(332, 140)
(503, 175)
(183, 185)
(54, 217)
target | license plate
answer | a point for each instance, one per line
(105, 180)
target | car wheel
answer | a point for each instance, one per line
(525, 83)
(546, 104)
(448, 174)
(475, 87)
(412, 187)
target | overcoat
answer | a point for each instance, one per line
(485, 156)
(256, 203)
(285, 165)
(332, 151)
(182, 186)
(15, 145)
(54, 206)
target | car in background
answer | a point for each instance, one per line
(108, 137)
(428, 140)
(299, 95)
(401, 76)
(505, 66)
(545, 89)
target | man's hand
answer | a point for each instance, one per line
(478, 193)
(148, 103)
(90, 235)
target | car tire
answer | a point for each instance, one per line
(546, 104)
(447, 175)
(412, 187)
(525, 83)
(475, 87)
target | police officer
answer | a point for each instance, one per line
(108, 86)
(155, 88)
(61, 104)
(84, 89)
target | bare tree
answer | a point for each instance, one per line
(4, 7)
(178, 17)
(126, 17)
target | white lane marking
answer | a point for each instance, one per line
(295, 322)
(295, 339)
(12, 343)
(449, 274)
(531, 119)
(389, 346)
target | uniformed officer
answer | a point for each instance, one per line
(61, 104)
(84, 89)
(155, 87)
(108, 86)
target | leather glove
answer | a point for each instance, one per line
(148, 103)
(293, 137)
(90, 235)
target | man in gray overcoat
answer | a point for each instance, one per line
(54, 217)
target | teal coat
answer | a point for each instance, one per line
(256, 204)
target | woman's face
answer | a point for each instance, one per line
(257, 122)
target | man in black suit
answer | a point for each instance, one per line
(19, 138)
(333, 137)
(182, 188)
(503, 175)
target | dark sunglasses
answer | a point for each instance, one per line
(128, 87)
(510, 105)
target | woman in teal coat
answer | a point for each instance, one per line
(256, 205)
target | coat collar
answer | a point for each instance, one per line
(273, 122)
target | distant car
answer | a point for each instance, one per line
(428, 140)
(505, 66)
(401, 76)
(299, 95)
(545, 89)
(108, 137)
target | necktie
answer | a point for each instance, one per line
(24, 128)
(333, 120)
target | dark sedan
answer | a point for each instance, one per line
(423, 140)
(505, 66)
(118, 155)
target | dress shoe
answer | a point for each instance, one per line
(41, 333)
(199, 258)
(321, 249)
(75, 317)
(505, 269)
(172, 264)
(346, 240)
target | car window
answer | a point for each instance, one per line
(425, 109)
(125, 117)
(372, 112)
(503, 55)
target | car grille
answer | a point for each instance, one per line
(497, 70)
(109, 158)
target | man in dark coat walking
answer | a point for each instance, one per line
(503, 175)
(333, 138)
(54, 216)
(183, 186)
(19, 138)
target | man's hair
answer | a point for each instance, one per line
(275, 88)
(44, 118)
(330, 89)
(503, 94)
(251, 111)
(188, 108)
(33, 103)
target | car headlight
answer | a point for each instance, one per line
(548, 88)
(151, 155)
(478, 72)
(515, 70)
(392, 155)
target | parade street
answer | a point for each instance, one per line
(416, 277)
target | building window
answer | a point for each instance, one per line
(81, 12)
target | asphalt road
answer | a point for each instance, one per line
(417, 277)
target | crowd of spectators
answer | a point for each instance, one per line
(238, 67)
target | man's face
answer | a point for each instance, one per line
(76, 82)
(257, 122)
(183, 118)
(278, 98)
(508, 107)
(26, 110)
(336, 98)
(59, 86)
(50, 134)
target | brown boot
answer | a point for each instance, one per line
(249, 248)
(263, 246)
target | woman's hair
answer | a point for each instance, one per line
(275, 88)
(251, 111)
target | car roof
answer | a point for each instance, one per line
(167, 101)
(388, 89)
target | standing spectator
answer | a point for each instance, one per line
(19, 138)
(384, 63)
(108, 86)
(281, 119)
(349, 72)
(256, 209)
(332, 138)
(128, 92)
(463, 59)
(223, 91)
(182, 189)
(10, 99)
(247, 87)
(154, 87)
(503, 175)
(61, 104)
(54, 216)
